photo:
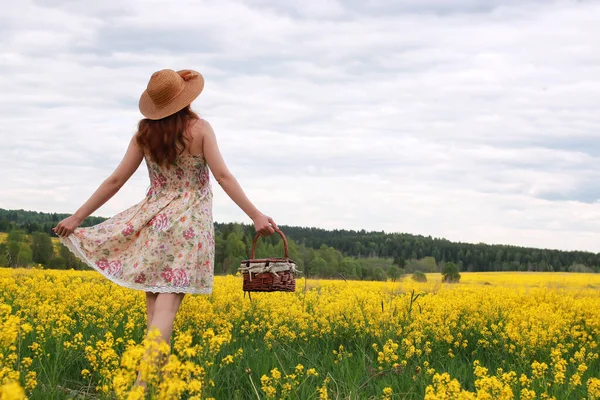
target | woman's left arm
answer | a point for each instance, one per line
(111, 185)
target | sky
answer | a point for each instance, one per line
(472, 120)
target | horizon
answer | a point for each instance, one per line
(469, 121)
(365, 231)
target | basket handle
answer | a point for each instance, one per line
(285, 243)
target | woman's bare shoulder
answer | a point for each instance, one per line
(201, 128)
(201, 125)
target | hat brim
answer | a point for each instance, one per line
(192, 89)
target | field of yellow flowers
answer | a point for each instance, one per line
(74, 335)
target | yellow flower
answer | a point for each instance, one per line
(30, 380)
(522, 315)
(527, 394)
(227, 360)
(387, 393)
(275, 374)
(539, 369)
(26, 362)
(136, 393)
(593, 388)
(12, 391)
(26, 328)
(322, 391)
(265, 380)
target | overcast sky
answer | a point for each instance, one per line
(473, 120)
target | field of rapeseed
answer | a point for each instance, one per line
(67, 334)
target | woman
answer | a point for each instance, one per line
(163, 245)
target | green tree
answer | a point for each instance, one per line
(399, 261)
(19, 254)
(358, 249)
(426, 264)
(436, 254)
(18, 249)
(317, 267)
(349, 268)
(450, 273)
(364, 272)
(235, 246)
(41, 247)
(57, 263)
(373, 249)
(579, 268)
(220, 255)
(332, 256)
(16, 235)
(70, 260)
(3, 255)
(292, 251)
(429, 264)
(306, 254)
(419, 276)
(266, 250)
(394, 272)
(4, 224)
(235, 251)
(379, 274)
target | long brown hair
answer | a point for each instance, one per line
(162, 138)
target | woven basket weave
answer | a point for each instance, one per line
(269, 274)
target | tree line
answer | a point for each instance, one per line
(404, 248)
(319, 253)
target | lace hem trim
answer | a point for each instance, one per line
(72, 243)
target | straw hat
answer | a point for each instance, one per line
(169, 92)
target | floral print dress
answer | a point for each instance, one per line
(164, 243)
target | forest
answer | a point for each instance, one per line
(319, 253)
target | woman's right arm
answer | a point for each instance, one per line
(263, 224)
(111, 185)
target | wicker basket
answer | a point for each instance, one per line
(269, 274)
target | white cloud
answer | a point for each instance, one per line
(470, 120)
